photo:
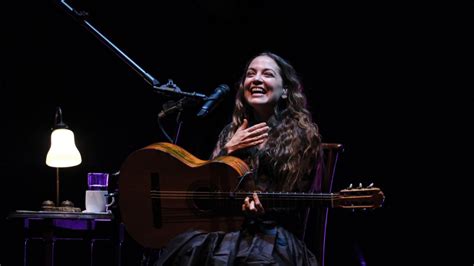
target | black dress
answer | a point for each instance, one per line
(270, 239)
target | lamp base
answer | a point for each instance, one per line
(66, 206)
(61, 209)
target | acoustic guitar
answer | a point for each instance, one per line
(164, 190)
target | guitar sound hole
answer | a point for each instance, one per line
(202, 200)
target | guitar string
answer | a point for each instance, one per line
(277, 194)
(288, 197)
(238, 195)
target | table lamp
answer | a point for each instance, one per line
(63, 151)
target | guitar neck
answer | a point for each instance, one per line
(268, 199)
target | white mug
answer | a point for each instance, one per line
(96, 201)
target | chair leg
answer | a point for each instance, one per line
(25, 251)
(92, 252)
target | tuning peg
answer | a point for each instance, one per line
(350, 186)
(371, 185)
(360, 185)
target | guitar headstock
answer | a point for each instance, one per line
(369, 197)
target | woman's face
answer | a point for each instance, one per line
(263, 84)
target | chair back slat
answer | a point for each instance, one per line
(316, 220)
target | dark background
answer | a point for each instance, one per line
(378, 76)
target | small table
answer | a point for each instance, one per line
(53, 226)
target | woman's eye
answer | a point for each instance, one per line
(268, 74)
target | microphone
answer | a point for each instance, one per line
(212, 101)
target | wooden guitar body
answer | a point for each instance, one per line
(159, 190)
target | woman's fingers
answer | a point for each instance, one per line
(246, 204)
(253, 205)
(244, 124)
(246, 137)
(257, 126)
(258, 132)
(255, 139)
(258, 204)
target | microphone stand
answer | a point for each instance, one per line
(171, 107)
(169, 89)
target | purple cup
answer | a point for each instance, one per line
(97, 181)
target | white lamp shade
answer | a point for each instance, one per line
(63, 151)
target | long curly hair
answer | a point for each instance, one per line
(293, 145)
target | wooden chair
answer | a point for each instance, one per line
(316, 220)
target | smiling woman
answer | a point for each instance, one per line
(272, 131)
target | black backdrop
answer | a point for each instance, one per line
(369, 71)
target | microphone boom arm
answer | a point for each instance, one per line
(80, 16)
